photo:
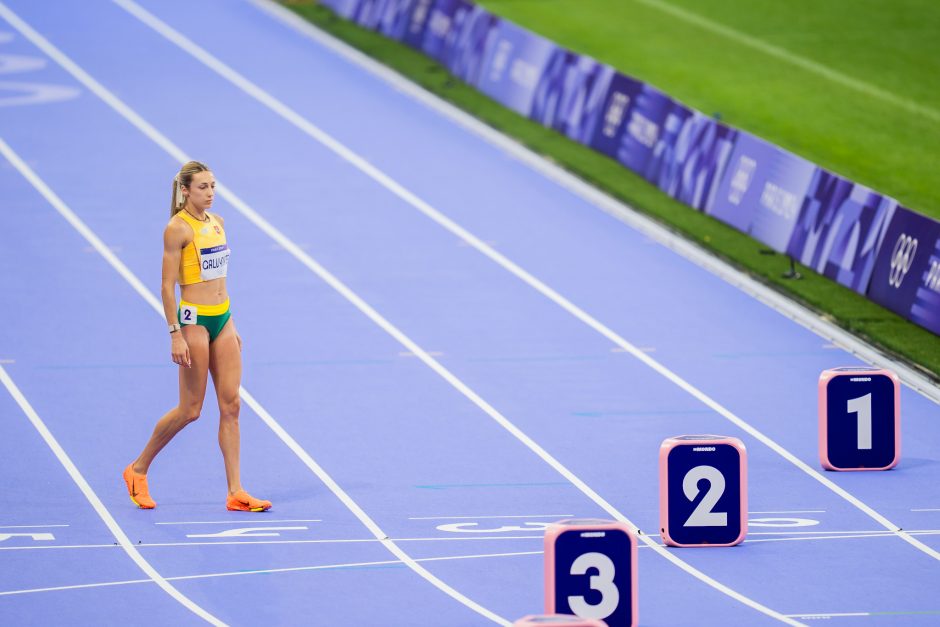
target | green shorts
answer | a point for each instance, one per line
(212, 317)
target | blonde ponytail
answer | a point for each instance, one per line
(183, 179)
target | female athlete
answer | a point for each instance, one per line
(203, 338)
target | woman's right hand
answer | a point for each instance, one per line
(180, 350)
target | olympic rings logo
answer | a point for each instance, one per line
(901, 259)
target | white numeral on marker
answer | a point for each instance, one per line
(603, 582)
(703, 516)
(862, 407)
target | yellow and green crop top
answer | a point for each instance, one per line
(206, 257)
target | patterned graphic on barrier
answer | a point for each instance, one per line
(840, 229)
(478, 33)
(570, 94)
(417, 23)
(514, 65)
(691, 156)
(618, 101)
(444, 22)
(645, 123)
(906, 278)
(763, 191)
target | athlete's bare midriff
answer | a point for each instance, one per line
(205, 293)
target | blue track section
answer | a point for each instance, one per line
(438, 475)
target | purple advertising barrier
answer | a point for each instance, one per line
(644, 127)
(513, 66)
(390, 17)
(478, 33)
(690, 156)
(661, 167)
(906, 277)
(762, 190)
(614, 114)
(443, 26)
(417, 23)
(840, 229)
(344, 8)
(570, 94)
(394, 17)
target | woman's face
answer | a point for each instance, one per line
(201, 190)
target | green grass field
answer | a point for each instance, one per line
(844, 128)
(791, 98)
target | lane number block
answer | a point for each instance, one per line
(859, 419)
(557, 620)
(702, 490)
(591, 570)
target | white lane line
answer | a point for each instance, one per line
(80, 586)
(113, 545)
(794, 59)
(86, 79)
(830, 615)
(268, 571)
(240, 542)
(628, 215)
(89, 493)
(487, 517)
(926, 510)
(876, 534)
(236, 522)
(30, 526)
(786, 535)
(151, 132)
(403, 193)
(794, 511)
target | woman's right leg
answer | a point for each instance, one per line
(192, 393)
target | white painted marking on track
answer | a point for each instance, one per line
(784, 535)
(472, 527)
(486, 517)
(926, 510)
(229, 522)
(161, 140)
(34, 536)
(29, 526)
(794, 59)
(829, 615)
(247, 532)
(793, 511)
(83, 485)
(781, 522)
(268, 571)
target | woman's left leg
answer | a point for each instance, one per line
(225, 365)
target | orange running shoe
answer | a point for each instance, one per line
(241, 501)
(137, 488)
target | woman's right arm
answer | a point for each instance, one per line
(174, 238)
